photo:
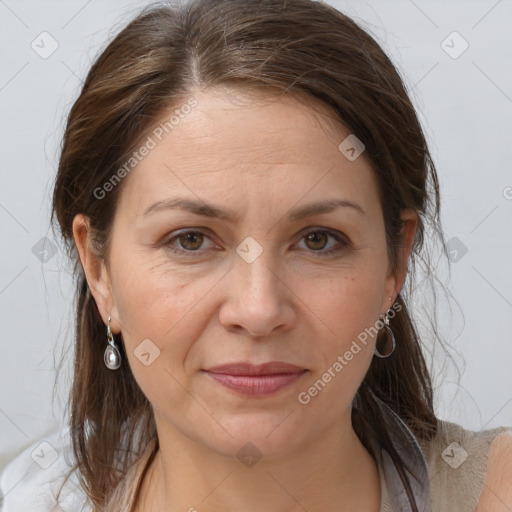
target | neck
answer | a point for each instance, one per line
(334, 472)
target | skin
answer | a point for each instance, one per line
(209, 307)
(497, 492)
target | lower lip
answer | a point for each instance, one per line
(256, 385)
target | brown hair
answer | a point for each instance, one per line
(300, 47)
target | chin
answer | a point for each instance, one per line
(259, 435)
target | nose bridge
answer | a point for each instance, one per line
(256, 301)
(254, 270)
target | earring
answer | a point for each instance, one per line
(112, 357)
(385, 319)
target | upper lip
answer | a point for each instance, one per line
(242, 368)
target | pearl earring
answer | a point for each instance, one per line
(112, 357)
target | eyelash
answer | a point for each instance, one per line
(317, 254)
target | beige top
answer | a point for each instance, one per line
(457, 464)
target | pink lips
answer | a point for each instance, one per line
(256, 380)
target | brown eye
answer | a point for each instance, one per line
(317, 243)
(187, 242)
(317, 240)
(191, 240)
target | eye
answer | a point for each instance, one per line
(317, 240)
(189, 241)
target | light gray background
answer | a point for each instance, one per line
(465, 105)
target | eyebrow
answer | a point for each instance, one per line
(208, 210)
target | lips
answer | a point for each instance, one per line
(256, 380)
(271, 368)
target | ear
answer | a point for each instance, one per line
(396, 280)
(96, 272)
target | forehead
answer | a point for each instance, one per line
(252, 122)
(230, 139)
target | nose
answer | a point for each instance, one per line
(258, 300)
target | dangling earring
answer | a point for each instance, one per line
(385, 319)
(112, 357)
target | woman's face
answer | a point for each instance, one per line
(190, 290)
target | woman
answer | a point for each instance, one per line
(244, 187)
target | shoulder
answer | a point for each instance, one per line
(497, 493)
(33, 479)
(453, 441)
(457, 460)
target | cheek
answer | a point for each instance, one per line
(155, 312)
(349, 303)
(161, 305)
(152, 294)
(348, 308)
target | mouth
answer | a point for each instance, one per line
(256, 380)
